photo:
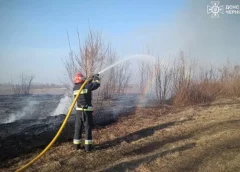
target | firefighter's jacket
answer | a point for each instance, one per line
(84, 101)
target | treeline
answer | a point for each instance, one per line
(179, 82)
(184, 83)
(24, 84)
(48, 85)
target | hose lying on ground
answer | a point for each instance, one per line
(58, 133)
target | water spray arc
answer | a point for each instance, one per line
(124, 60)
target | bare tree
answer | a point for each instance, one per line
(71, 69)
(109, 79)
(146, 73)
(29, 83)
(163, 77)
(123, 76)
(24, 85)
(93, 56)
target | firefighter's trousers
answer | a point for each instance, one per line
(83, 118)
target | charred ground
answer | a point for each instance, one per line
(196, 138)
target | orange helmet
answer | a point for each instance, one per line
(78, 78)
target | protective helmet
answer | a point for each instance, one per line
(78, 78)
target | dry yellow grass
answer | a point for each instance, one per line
(198, 138)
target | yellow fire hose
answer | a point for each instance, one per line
(58, 133)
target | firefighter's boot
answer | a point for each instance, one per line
(88, 148)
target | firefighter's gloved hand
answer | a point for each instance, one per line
(96, 77)
(93, 76)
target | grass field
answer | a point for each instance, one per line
(196, 138)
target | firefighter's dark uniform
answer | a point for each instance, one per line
(84, 113)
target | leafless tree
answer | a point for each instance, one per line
(146, 73)
(93, 56)
(71, 69)
(163, 77)
(123, 76)
(24, 85)
(109, 79)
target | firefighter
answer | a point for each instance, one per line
(84, 110)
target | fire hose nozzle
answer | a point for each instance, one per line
(93, 76)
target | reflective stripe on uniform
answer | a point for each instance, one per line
(90, 108)
(84, 91)
(76, 141)
(88, 142)
(97, 81)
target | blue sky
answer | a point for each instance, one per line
(33, 33)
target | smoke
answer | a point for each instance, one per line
(213, 40)
(193, 31)
(28, 111)
(63, 106)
